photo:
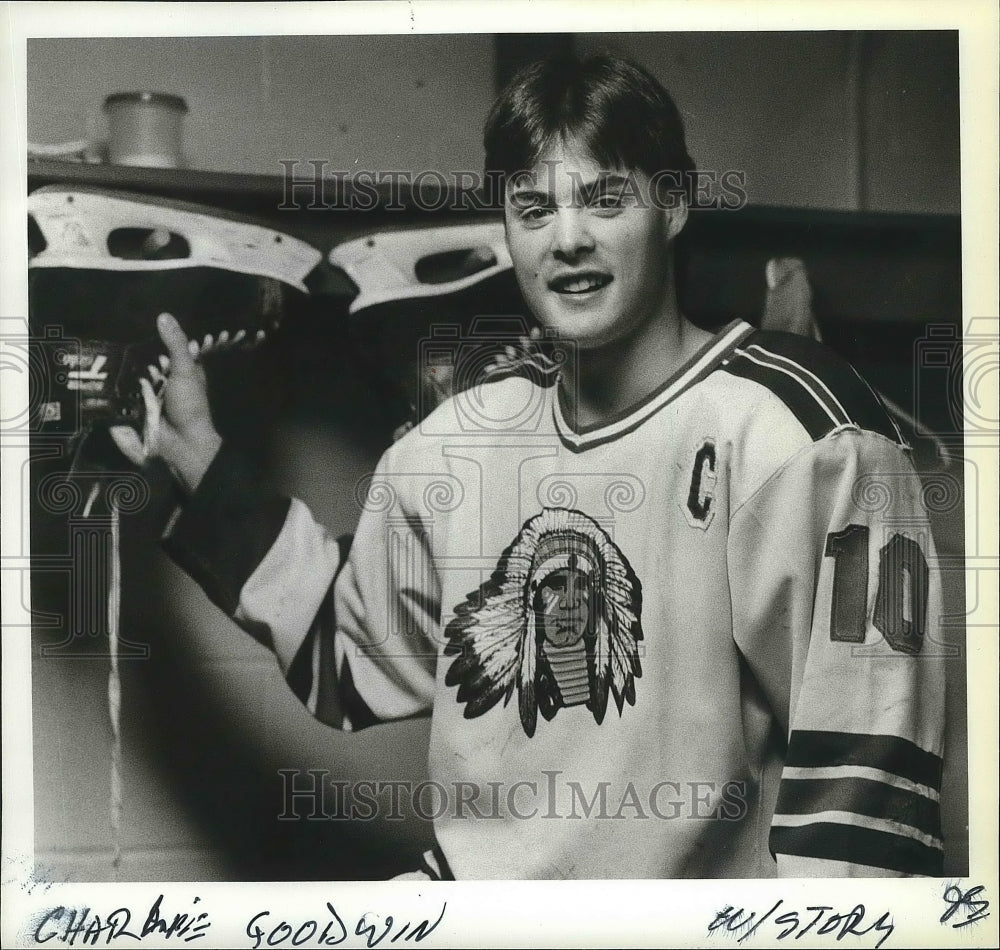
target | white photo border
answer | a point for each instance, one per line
(584, 913)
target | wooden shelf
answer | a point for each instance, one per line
(164, 181)
(266, 194)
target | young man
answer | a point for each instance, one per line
(702, 559)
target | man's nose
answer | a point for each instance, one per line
(572, 235)
(570, 596)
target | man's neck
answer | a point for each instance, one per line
(600, 384)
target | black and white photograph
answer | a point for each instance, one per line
(545, 445)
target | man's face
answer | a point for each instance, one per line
(562, 604)
(589, 246)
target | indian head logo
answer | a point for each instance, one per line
(558, 620)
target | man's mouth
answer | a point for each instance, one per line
(581, 282)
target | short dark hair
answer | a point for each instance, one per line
(617, 109)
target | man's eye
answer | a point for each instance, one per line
(534, 213)
(610, 201)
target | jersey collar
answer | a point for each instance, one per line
(694, 370)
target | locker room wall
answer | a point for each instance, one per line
(208, 722)
(369, 103)
(838, 120)
(841, 120)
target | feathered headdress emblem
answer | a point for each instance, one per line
(559, 620)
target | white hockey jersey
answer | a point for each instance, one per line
(697, 640)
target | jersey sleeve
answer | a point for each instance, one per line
(350, 620)
(836, 602)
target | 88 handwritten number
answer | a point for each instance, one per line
(956, 899)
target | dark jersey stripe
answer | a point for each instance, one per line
(809, 381)
(337, 697)
(429, 869)
(862, 797)
(446, 872)
(811, 414)
(226, 528)
(860, 402)
(353, 706)
(300, 675)
(879, 849)
(815, 749)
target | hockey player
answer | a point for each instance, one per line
(673, 615)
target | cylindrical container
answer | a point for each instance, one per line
(144, 128)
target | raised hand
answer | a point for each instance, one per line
(178, 426)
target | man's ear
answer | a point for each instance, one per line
(676, 217)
